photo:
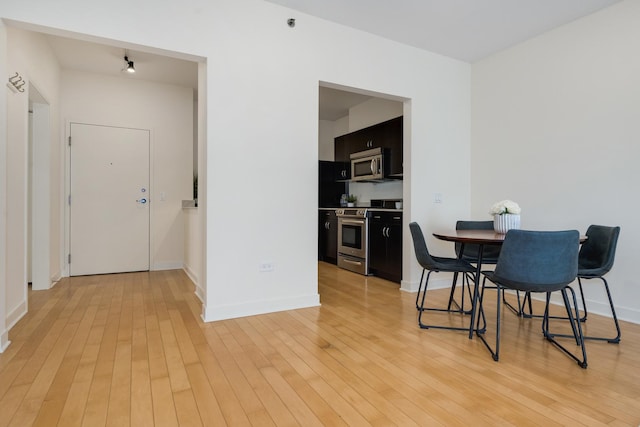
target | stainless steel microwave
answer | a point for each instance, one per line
(368, 165)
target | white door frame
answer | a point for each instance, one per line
(40, 205)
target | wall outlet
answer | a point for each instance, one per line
(266, 266)
(437, 198)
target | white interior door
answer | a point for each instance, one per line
(109, 203)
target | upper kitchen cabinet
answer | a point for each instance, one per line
(386, 135)
(341, 156)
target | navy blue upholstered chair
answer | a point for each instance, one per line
(469, 252)
(595, 259)
(431, 264)
(538, 261)
(489, 254)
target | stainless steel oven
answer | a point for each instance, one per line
(353, 232)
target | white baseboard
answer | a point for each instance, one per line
(439, 282)
(16, 314)
(223, 312)
(168, 265)
(4, 341)
(192, 274)
(627, 314)
(55, 279)
(199, 291)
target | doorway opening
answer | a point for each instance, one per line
(39, 192)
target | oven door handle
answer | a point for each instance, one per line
(352, 221)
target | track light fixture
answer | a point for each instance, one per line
(128, 65)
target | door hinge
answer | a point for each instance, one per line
(69, 259)
(69, 141)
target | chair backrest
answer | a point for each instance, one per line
(599, 251)
(538, 261)
(420, 247)
(490, 253)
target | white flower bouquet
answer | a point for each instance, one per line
(505, 207)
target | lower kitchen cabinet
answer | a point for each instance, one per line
(328, 236)
(385, 245)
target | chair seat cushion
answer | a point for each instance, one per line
(452, 265)
(523, 286)
(591, 272)
(485, 260)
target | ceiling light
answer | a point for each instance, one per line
(129, 65)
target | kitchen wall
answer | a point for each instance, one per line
(555, 127)
(262, 130)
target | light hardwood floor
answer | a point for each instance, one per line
(131, 349)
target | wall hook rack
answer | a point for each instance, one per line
(16, 83)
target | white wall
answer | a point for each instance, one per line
(262, 130)
(326, 146)
(167, 110)
(30, 56)
(192, 249)
(4, 330)
(556, 125)
(373, 111)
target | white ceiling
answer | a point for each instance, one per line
(109, 59)
(467, 30)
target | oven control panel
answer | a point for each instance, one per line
(352, 212)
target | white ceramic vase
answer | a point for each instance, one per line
(505, 222)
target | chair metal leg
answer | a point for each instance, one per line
(419, 289)
(465, 285)
(517, 311)
(576, 326)
(584, 303)
(422, 309)
(613, 340)
(453, 290)
(480, 332)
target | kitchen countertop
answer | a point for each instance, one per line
(364, 207)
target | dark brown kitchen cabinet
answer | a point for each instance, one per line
(328, 236)
(387, 135)
(341, 157)
(385, 245)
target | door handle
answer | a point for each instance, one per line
(142, 201)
